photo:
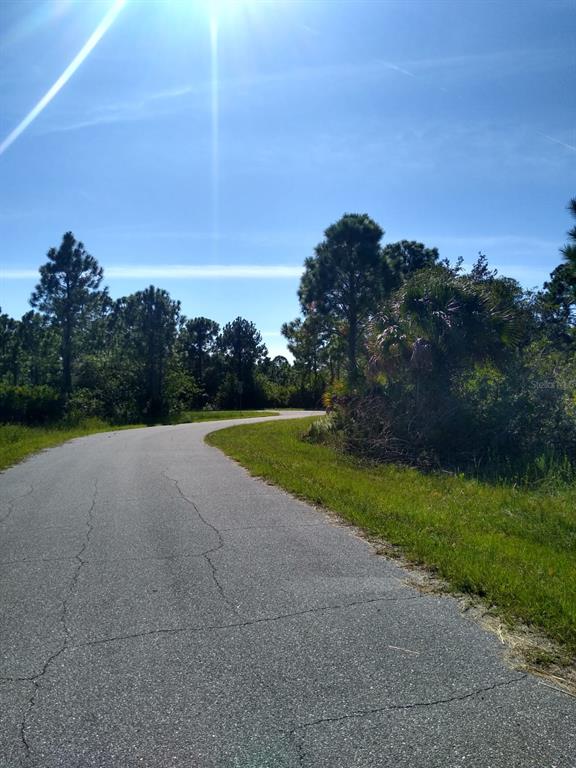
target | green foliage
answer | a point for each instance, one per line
(408, 256)
(309, 343)
(345, 279)
(325, 430)
(197, 348)
(29, 405)
(241, 347)
(424, 363)
(144, 329)
(521, 422)
(454, 379)
(67, 294)
(569, 250)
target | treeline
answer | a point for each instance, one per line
(435, 365)
(419, 360)
(79, 353)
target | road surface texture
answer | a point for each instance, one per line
(162, 608)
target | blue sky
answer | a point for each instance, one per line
(204, 147)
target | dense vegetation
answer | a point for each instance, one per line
(436, 366)
(78, 354)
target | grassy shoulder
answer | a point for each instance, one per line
(515, 548)
(18, 441)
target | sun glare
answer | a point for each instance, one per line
(226, 7)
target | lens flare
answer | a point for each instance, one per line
(86, 49)
(215, 131)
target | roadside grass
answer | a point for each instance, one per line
(516, 548)
(18, 441)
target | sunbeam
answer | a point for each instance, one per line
(215, 130)
(88, 46)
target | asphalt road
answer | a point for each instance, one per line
(162, 608)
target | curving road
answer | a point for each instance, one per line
(162, 608)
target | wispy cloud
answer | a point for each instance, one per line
(166, 102)
(431, 72)
(207, 271)
(487, 65)
(483, 148)
(182, 272)
(176, 99)
(557, 141)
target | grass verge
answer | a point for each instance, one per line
(515, 548)
(18, 441)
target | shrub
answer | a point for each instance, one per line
(29, 405)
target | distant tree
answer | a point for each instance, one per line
(242, 349)
(408, 256)
(197, 341)
(308, 342)
(67, 291)
(38, 346)
(556, 305)
(8, 349)
(145, 328)
(279, 369)
(305, 342)
(345, 279)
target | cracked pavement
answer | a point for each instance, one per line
(162, 608)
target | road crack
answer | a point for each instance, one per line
(12, 504)
(36, 679)
(273, 527)
(360, 714)
(103, 560)
(240, 624)
(206, 554)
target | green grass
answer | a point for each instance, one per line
(514, 547)
(193, 416)
(17, 441)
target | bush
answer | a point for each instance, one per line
(29, 405)
(324, 431)
(518, 425)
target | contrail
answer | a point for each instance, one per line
(88, 46)
(557, 141)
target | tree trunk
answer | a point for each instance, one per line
(66, 359)
(352, 348)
